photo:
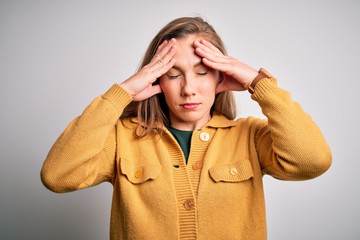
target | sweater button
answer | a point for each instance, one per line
(189, 204)
(138, 174)
(197, 165)
(204, 136)
(233, 171)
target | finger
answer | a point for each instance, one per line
(161, 46)
(214, 65)
(205, 52)
(167, 55)
(163, 64)
(222, 65)
(207, 47)
(157, 55)
(210, 46)
(163, 49)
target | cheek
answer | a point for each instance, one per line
(164, 85)
(209, 85)
(168, 89)
(213, 80)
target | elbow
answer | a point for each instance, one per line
(59, 181)
(49, 181)
(322, 162)
(52, 181)
(315, 164)
(304, 167)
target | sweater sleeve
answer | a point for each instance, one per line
(290, 146)
(84, 154)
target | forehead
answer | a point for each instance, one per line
(185, 55)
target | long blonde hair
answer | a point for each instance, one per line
(152, 113)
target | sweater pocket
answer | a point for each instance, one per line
(137, 174)
(232, 172)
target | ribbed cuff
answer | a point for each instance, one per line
(118, 96)
(264, 88)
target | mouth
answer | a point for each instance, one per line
(190, 106)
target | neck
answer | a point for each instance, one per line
(188, 125)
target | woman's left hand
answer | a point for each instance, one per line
(237, 76)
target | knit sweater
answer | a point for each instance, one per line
(217, 195)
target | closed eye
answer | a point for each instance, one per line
(173, 76)
(202, 73)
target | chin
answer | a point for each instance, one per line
(191, 117)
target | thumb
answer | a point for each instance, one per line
(156, 89)
(147, 92)
(220, 87)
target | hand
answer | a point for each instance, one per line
(140, 85)
(237, 76)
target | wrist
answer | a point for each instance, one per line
(126, 88)
(262, 73)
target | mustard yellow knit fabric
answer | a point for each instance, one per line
(217, 195)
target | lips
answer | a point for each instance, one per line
(190, 106)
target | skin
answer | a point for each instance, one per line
(189, 88)
(191, 71)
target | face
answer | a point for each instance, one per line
(189, 88)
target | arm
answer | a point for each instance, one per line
(290, 146)
(84, 153)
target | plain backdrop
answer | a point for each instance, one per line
(56, 56)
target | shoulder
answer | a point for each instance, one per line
(220, 121)
(251, 122)
(243, 124)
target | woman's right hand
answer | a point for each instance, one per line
(139, 86)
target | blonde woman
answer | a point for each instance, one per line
(166, 138)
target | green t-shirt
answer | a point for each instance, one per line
(183, 137)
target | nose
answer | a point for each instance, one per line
(188, 87)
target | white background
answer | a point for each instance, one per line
(56, 56)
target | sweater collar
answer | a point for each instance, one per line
(220, 121)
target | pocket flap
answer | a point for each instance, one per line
(140, 173)
(233, 172)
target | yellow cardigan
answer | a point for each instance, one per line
(217, 195)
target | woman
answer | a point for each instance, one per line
(181, 167)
